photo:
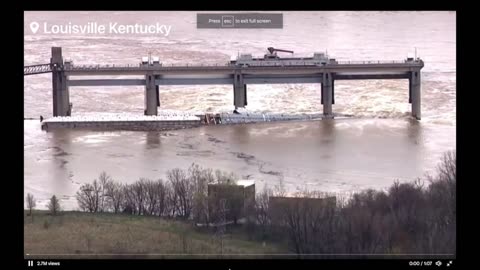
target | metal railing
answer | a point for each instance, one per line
(37, 69)
(375, 62)
(111, 67)
(196, 65)
(45, 68)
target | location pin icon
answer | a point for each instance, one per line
(34, 27)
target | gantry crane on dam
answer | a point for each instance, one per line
(239, 73)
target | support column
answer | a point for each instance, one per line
(60, 91)
(333, 91)
(416, 96)
(239, 91)
(151, 98)
(410, 88)
(327, 94)
(245, 93)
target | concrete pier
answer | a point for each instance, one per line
(239, 91)
(151, 98)
(415, 86)
(333, 91)
(60, 91)
(157, 88)
(327, 94)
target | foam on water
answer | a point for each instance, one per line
(111, 117)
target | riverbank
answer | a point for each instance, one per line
(106, 235)
(157, 219)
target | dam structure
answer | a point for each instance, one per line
(238, 74)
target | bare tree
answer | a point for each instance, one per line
(115, 192)
(279, 189)
(31, 203)
(262, 211)
(54, 205)
(448, 167)
(137, 192)
(306, 219)
(183, 189)
(104, 181)
(129, 205)
(161, 192)
(200, 179)
(151, 196)
(87, 197)
(441, 199)
(172, 200)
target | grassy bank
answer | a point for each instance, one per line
(106, 235)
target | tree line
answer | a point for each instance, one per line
(183, 195)
(416, 217)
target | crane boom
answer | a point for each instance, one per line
(272, 50)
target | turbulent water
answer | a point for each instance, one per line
(380, 145)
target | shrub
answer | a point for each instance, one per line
(54, 205)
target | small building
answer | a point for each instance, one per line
(248, 192)
(239, 200)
